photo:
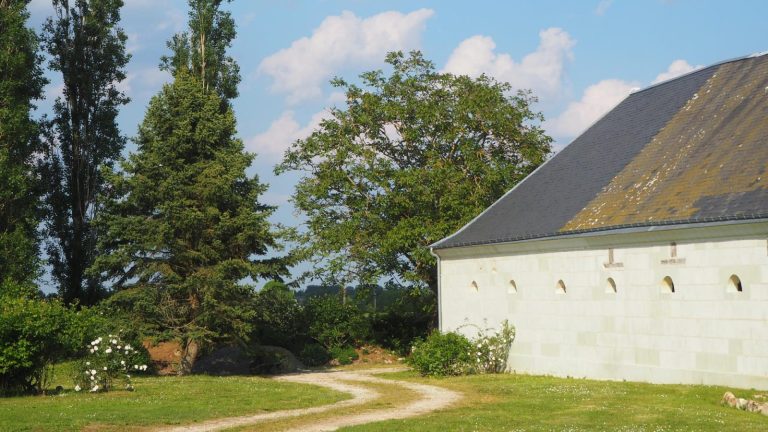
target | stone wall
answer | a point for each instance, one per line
(706, 331)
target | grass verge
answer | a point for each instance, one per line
(157, 401)
(540, 403)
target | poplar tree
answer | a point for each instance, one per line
(21, 82)
(87, 46)
(184, 226)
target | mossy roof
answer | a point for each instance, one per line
(689, 150)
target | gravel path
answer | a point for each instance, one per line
(430, 398)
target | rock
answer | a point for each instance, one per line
(741, 404)
(729, 399)
(753, 406)
(764, 409)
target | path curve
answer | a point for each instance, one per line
(431, 398)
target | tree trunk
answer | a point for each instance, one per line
(188, 357)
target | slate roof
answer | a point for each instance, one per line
(692, 149)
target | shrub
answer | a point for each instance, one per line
(34, 334)
(491, 349)
(277, 316)
(344, 355)
(314, 354)
(108, 358)
(334, 324)
(442, 354)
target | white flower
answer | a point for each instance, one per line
(127, 347)
(95, 342)
(122, 362)
(95, 388)
(135, 366)
(90, 350)
(93, 378)
(108, 350)
(143, 367)
(105, 368)
(127, 376)
(93, 371)
(119, 347)
(114, 341)
(87, 363)
(77, 388)
(96, 348)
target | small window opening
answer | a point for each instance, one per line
(473, 285)
(667, 285)
(610, 286)
(512, 287)
(610, 256)
(561, 286)
(673, 250)
(734, 284)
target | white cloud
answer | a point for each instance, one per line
(282, 133)
(602, 7)
(340, 41)
(677, 68)
(597, 100)
(541, 71)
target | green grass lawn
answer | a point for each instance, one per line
(538, 403)
(157, 401)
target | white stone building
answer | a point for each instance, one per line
(638, 252)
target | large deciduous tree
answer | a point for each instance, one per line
(414, 156)
(87, 46)
(21, 82)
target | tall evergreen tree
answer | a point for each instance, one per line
(21, 82)
(87, 46)
(202, 51)
(184, 226)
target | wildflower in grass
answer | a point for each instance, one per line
(102, 366)
(77, 388)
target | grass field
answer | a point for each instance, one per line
(157, 401)
(538, 403)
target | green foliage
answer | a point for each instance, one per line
(21, 82)
(33, 335)
(109, 357)
(314, 354)
(344, 355)
(202, 51)
(86, 44)
(278, 316)
(442, 354)
(413, 156)
(183, 224)
(334, 324)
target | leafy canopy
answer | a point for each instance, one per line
(414, 156)
(87, 46)
(21, 82)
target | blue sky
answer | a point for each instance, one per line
(579, 57)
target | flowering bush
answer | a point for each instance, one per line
(491, 349)
(454, 354)
(108, 359)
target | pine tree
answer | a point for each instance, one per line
(21, 82)
(88, 47)
(185, 226)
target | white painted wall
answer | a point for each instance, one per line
(701, 333)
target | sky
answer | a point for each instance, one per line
(580, 58)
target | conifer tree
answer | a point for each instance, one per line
(184, 226)
(21, 82)
(87, 46)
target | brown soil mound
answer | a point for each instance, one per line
(371, 354)
(165, 356)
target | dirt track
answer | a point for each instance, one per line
(431, 398)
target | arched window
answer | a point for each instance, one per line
(512, 289)
(734, 284)
(473, 285)
(667, 285)
(560, 286)
(610, 286)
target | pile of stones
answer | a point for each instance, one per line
(750, 405)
